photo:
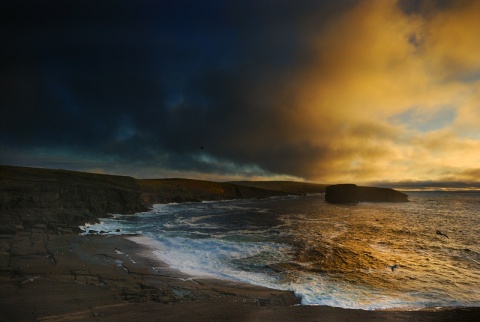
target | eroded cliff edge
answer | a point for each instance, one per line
(59, 201)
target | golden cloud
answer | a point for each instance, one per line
(452, 43)
(376, 62)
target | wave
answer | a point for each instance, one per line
(327, 255)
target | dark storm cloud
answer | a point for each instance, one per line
(154, 80)
(322, 90)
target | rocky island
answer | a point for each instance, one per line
(351, 193)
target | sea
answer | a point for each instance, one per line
(371, 256)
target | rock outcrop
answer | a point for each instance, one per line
(289, 187)
(188, 190)
(351, 193)
(59, 201)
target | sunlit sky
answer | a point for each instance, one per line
(369, 92)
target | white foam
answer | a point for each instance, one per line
(215, 258)
(183, 238)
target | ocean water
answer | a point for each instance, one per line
(336, 255)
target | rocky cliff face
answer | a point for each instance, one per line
(60, 201)
(188, 190)
(351, 193)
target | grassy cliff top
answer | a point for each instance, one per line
(30, 183)
(290, 187)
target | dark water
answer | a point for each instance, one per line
(337, 255)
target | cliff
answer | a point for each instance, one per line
(185, 190)
(59, 201)
(351, 193)
(289, 187)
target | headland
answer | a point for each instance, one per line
(49, 272)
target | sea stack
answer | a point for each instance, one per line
(351, 193)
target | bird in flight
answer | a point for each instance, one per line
(393, 267)
(440, 233)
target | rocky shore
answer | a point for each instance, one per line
(58, 201)
(112, 278)
(67, 277)
(49, 272)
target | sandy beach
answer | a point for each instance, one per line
(112, 278)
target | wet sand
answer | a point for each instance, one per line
(47, 277)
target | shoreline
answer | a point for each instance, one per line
(155, 254)
(113, 278)
(50, 273)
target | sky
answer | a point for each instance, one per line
(376, 92)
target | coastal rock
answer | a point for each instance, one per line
(351, 193)
(59, 200)
(188, 190)
(74, 192)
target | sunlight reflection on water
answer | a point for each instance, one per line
(328, 254)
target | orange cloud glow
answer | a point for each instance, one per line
(376, 63)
